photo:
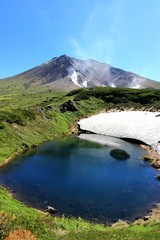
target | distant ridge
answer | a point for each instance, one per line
(68, 73)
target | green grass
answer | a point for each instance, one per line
(34, 117)
(14, 215)
(36, 125)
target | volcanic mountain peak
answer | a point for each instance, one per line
(68, 73)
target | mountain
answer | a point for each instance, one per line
(68, 73)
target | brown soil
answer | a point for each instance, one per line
(21, 235)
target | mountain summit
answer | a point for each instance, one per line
(68, 73)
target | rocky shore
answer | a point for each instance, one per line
(153, 157)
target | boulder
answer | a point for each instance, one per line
(146, 218)
(50, 209)
(147, 158)
(156, 164)
(68, 106)
(158, 177)
(119, 154)
(24, 145)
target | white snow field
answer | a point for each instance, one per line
(139, 125)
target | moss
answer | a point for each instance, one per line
(147, 158)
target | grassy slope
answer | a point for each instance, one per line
(47, 125)
(44, 121)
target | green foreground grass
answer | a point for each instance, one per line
(38, 118)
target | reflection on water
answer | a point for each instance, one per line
(79, 177)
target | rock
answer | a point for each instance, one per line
(50, 209)
(158, 177)
(48, 107)
(119, 154)
(68, 106)
(156, 165)
(147, 158)
(154, 205)
(24, 145)
(34, 145)
(146, 218)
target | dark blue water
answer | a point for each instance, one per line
(79, 177)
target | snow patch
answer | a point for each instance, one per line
(143, 126)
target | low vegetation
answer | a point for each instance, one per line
(26, 121)
(124, 97)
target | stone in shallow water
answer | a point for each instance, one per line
(119, 154)
(158, 177)
(51, 209)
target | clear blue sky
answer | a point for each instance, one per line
(123, 33)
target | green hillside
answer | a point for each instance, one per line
(30, 118)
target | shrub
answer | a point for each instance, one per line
(2, 126)
(19, 116)
(118, 95)
(76, 91)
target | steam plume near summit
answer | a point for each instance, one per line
(65, 73)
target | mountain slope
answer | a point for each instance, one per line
(68, 73)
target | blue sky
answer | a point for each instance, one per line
(123, 33)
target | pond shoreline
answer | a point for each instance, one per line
(152, 157)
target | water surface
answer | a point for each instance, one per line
(80, 176)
